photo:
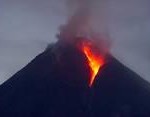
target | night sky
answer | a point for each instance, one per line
(28, 26)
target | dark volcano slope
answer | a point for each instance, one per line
(47, 87)
(119, 92)
(55, 84)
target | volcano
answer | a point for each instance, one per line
(56, 84)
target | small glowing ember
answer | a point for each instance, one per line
(95, 61)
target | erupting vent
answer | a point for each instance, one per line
(95, 60)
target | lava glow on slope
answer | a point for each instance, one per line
(95, 61)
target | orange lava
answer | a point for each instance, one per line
(95, 61)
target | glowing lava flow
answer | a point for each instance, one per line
(95, 61)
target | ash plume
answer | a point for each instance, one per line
(86, 19)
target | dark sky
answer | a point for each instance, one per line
(27, 26)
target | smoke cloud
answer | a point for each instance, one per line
(83, 20)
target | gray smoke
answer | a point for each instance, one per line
(85, 18)
(83, 21)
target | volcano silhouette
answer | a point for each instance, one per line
(55, 84)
